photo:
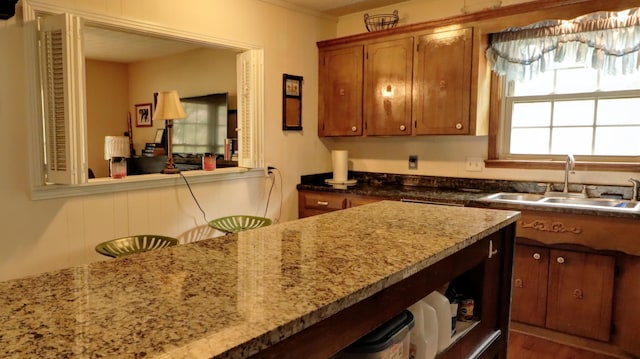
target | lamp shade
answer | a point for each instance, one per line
(116, 146)
(169, 106)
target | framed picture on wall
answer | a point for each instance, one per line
(291, 102)
(144, 112)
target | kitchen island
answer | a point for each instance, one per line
(301, 289)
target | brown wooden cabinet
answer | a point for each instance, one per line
(530, 275)
(442, 83)
(340, 91)
(574, 282)
(312, 203)
(567, 291)
(387, 91)
(392, 87)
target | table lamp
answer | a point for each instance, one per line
(169, 108)
(116, 150)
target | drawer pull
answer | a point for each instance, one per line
(323, 203)
(560, 260)
(536, 256)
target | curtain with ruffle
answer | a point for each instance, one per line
(607, 41)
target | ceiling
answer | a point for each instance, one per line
(118, 46)
(335, 7)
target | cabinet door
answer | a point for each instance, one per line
(387, 91)
(442, 83)
(580, 293)
(529, 293)
(340, 92)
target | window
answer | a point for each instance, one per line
(573, 110)
(567, 87)
(205, 127)
(58, 118)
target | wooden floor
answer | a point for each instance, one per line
(527, 347)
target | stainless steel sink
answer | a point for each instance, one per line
(570, 202)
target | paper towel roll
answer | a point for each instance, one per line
(340, 161)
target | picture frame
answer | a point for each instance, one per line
(291, 102)
(144, 114)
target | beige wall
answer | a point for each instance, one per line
(44, 235)
(438, 155)
(107, 104)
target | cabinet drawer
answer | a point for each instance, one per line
(324, 202)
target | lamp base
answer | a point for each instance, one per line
(170, 171)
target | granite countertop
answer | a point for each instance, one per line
(461, 191)
(231, 296)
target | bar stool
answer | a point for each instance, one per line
(125, 246)
(239, 223)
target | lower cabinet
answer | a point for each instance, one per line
(312, 203)
(567, 291)
(575, 284)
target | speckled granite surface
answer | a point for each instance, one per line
(231, 296)
(462, 191)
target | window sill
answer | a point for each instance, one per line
(559, 165)
(138, 182)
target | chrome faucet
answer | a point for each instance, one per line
(569, 166)
(636, 184)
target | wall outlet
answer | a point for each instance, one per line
(474, 164)
(413, 162)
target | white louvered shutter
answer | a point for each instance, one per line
(62, 77)
(250, 109)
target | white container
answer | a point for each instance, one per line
(424, 336)
(391, 340)
(443, 312)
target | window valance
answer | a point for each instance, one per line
(608, 41)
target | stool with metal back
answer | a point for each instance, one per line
(125, 246)
(239, 223)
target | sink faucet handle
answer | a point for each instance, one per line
(636, 184)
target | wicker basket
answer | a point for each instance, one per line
(135, 244)
(239, 223)
(381, 21)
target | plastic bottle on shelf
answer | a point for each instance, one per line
(424, 336)
(443, 313)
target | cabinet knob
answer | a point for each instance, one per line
(560, 260)
(578, 294)
(403, 127)
(443, 84)
(458, 126)
(341, 92)
(518, 283)
(536, 256)
(354, 128)
(322, 203)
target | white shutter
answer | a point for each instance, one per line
(62, 81)
(250, 109)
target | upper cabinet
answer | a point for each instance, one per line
(442, 83)
(414, 84)
(387, 91)
(340, 91)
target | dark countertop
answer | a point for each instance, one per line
(460, 191)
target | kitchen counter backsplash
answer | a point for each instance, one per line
(446, 189)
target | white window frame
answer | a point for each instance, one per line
(250, 110)
(507, 105)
